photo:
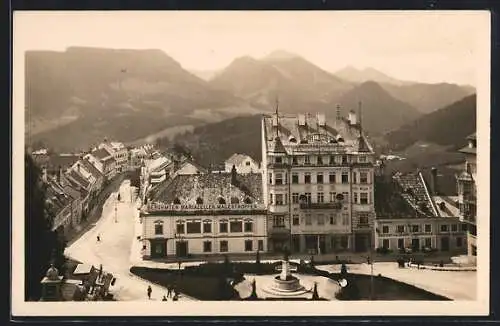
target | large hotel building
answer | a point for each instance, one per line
(318, 178)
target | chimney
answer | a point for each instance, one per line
(434, 182)
(352, 118)
(467, 167)
(233, 175)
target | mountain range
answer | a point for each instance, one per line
(92, 93)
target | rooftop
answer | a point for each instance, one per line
(237, 159)
(102, 154)
(210, 189)
(403, 196)
(305, 133)
(447, 206)
(91, 168)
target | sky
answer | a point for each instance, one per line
(420, 46)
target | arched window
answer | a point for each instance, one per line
(199, 201)
(222, 201)
(235, 200)
(248, 200)
(158, 227)
(177, 201)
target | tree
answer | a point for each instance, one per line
(41, 243)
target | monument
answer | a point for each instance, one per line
(285, 284)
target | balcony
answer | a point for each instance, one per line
(321, 206)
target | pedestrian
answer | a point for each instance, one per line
(176, 297)
(149, 292)
(164, 298)
(98, 238)
(169, 290)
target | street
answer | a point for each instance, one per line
(113, 251)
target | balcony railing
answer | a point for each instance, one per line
(320, 205)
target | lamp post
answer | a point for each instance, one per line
(116, 212)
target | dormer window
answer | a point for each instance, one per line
(177, 201)
(199, 201)
(222, 201)
(278, 160)
(235, 200)
(248, 200)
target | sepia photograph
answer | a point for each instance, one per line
(183, 163)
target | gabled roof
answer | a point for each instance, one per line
(79, 178)
(237, 159)
(277, 146)
(196, 165)
(91, 168)
(210, 187)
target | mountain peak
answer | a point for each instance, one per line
(280, 55)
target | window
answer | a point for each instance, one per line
(271, 199)
(207, 226)
(199, 201)
(454, 228)
(235, 200)
(362, 159)
(279, 199)
(294, 160)
(345, 177)
(235, 226)
(295, 220)
(295, 178)
(270, 178)
(345, 218)
(307, 160)
(444, 227)
(260, 245)
(158, 227)
(180, 227)
(401, 228)
(331, 177)
(207, 246)
(385, 229)
(321, 197)
(295, 197)
(345, 196)
(248, 226)
(319, 178)
(308, 197)
(355, 199)
(333, 197)
(363, 177)
(308, 219)
(428, 228)
(354, 174)
(332, 160)
(177, 201)
(464, 227)
(248, 245)
(248, 200)
(223, 226)
(277, 160)
(247, 163)
(385, 243)
(363, 198)
(363, 218)
(401, 243)
(459, 242)
(222, 201)
(414, 228)
(321, 219)
(427, 242)
(333, 219)
(193, 227)
(344, 159)
(279, 179)
(307, 178)
(279, 221)
(223, 246)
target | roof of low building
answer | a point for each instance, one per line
(102, 153)
(91, 168)
(80, 179)
(210, 188)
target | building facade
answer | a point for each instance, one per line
(318, 183)
(467, 194)
(205, 214)
(411, 219)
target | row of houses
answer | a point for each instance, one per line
(74, 181)
(318, 190)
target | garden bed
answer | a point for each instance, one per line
(208, 282)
